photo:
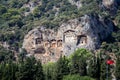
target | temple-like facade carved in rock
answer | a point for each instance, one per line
(85, 32)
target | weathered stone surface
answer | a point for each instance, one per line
(85, 32)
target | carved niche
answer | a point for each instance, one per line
(46, 44)
(38, 36)
(59, 43)
(53, 43)
(39, 50)
(81, 40)
(38, 41)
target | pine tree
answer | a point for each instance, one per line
(62, 67)
(117, 69)
(103, 71)
(78, 62)
(26, 69)
(82, 66)
(78, 65)
(50, 71)
(22, 55)
(39, 72)
(74, 66)
(94, 68)
(9, 70)
(104, 67)
(48, 75)
(1, 70)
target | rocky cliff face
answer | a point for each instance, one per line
(110, 5)
(84, 32)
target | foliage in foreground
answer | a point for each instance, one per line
(81, 65)
(77, 77)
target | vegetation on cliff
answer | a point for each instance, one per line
(17, 17)
(14, 23)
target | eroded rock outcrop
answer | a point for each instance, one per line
(110, 5)
(85, 32)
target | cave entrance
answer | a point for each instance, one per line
(81, 39)
(59, 43)
(46, 44)
(53, 43)
(39, 50)
(38, 41)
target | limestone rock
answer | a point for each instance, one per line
(84, 32)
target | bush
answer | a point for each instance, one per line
(76, 77)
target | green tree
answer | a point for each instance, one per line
(26, 69)
(78, 66)
(6, 55)
(39, 75)
(50, 71)
(62, 67)
(94, 68)
(22, 55)
(104, 67)
(8, 71)
(117, 69)
(78, 62)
